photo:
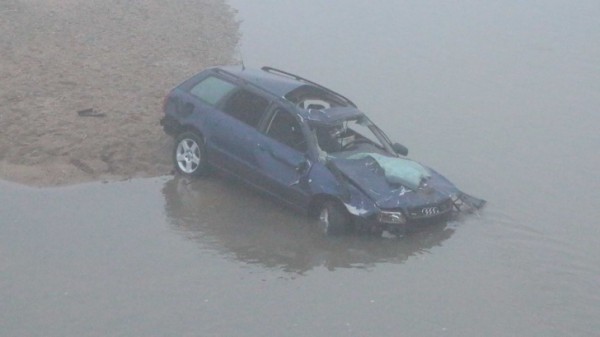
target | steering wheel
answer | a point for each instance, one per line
(355, 142)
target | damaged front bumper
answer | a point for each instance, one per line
(467, 203)
(399, 221)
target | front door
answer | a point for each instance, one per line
(281, 156)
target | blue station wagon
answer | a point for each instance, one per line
(307, 146)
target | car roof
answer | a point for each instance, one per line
(275, 84)
(331, 116)
(281, 83)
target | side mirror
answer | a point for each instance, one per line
(400, 149)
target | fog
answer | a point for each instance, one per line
(500, 97)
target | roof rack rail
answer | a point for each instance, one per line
(302, 79)
(227, 73)
(241, 80)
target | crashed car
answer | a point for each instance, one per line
(307, 146)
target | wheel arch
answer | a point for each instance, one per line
(319, 199)
(190, 128)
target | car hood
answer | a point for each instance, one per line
(370, 177)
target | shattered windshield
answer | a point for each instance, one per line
(349, 137)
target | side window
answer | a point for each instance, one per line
(246, 106)
(212, 89)
(284, 128)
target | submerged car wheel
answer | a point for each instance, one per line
(333, 219)
(189, 155)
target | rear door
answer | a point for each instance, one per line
(234, 132)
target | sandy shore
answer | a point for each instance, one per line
(118, 57)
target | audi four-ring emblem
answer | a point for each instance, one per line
(429, 211)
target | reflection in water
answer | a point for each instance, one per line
(236, 221)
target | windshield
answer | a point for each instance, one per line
(350, 137)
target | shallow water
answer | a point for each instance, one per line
(501, 98)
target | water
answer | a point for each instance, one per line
(502, 98)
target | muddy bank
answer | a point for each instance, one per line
(117, 57)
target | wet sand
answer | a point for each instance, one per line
(117, 57)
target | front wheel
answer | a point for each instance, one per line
(333, 218)
(189, 155)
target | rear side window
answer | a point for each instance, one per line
(246, 107)
(212, 89)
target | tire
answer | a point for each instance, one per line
(189, 155)
(333, 218)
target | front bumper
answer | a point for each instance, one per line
(415, 218)
(399, 221)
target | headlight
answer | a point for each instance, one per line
(391, 217)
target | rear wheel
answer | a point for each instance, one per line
(333, 218)
(189, 155)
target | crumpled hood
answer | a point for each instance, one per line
(387, 193)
